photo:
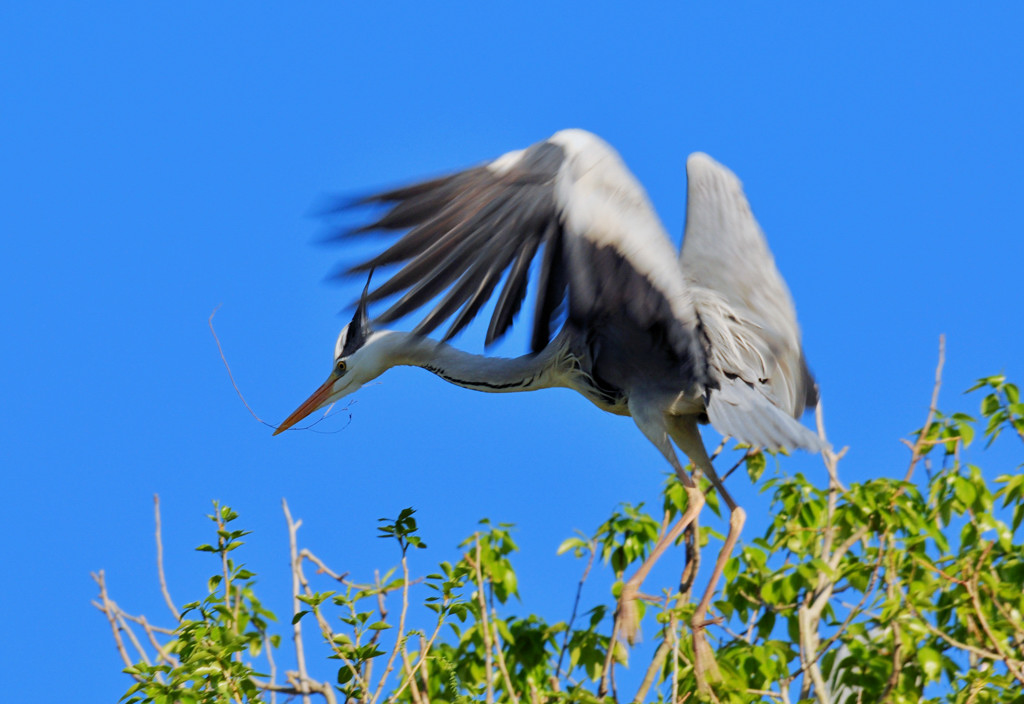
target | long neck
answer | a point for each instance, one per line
(474, 371)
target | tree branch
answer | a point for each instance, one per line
(919, 446)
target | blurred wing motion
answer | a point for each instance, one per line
(569, 201)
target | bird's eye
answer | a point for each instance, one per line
(340, 366)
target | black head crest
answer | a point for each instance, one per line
(359, 329)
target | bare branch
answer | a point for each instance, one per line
(400, 636)
(321, 567)
(656, 663)
(919, 446)
(273, 667)
(575, 605)
(486, 630)
(499, 651)
(296, 566)
(107, 607)
(175, 612)
(151, 632)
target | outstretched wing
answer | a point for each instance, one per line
(748, 311)
(568, 201)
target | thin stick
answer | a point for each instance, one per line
(273, 667)
(488, 646)
(575, 606)
(422, 662)
(657, 662)
(300, 654)
(106, 608)
(131, 634)
(160, 560)
(920, 444)
(501, 661)
(151, 632)
(400, 636)
(230, 375)
(246, 403)
(321, 567)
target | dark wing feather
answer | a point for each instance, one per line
(568, 200)
(464, 232)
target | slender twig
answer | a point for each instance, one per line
(106, 606)
(175, 613)
(322, 568)
(499, 652)
(938, 633)
(1011, 663)
(230, 375)
(119, 615)
(575, 605)
(410, 676)
(273, 666)
(296, 566)
(421, 664)
(897, 642)
(382, 609)
(919, 446)
(1014, 621)
(853, 612)
(746, 456)
(141, 620)
(301, 584)
(486, 630)
(657, 662)
(151, 632)
(400, 636)
(673, 623)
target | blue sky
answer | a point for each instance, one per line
(160, 159)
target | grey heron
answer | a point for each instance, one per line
(671, 340)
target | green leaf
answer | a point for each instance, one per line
(298, 617)
(931, 663)
(570, 544)
(755, 466)
(965, 490)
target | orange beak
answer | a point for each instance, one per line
(317, 400)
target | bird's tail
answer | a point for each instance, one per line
(741, 411)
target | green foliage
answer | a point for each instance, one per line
(888, 590)
(203, 662)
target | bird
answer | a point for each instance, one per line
(671, 339)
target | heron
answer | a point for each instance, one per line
(671, 339)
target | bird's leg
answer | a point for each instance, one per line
(653, 425)
(687, 436)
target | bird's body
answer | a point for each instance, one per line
(670, 339)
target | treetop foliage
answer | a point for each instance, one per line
(901, 589)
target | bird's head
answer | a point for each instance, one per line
(358, 358)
